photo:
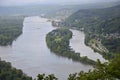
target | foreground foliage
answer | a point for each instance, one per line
(102, 71)
(44, 77)
(7, 72)
(105, 71)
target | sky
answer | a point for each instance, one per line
(27, 2)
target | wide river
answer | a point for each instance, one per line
(30, 53)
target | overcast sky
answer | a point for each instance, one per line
(26, 2)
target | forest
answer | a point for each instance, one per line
(10, 29)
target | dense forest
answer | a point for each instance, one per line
(101, 26)
(10, 28)
(58, 42)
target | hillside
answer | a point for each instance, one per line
(101, 26)
(10, 29)
(93, 18)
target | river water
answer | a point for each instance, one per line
(30, 53)
(77, 43)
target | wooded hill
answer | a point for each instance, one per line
(102, 25)
(10, 28)
(93, 20)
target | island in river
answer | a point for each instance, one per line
(58, 42)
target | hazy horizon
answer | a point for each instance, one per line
(32, 2)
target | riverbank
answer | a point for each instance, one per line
(7, 72)
(88, 41)
(95, 43)
(10, 28)
(78, 45)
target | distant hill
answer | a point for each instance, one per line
(94, 19)
(51, 11)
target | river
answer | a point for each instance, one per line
(77, 44)
(30, 53)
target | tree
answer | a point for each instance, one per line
(43, 77)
